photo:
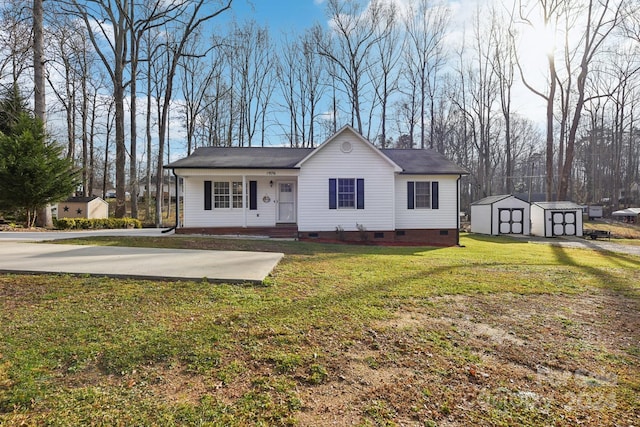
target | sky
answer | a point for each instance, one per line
(281, 15)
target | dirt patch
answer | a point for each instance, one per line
(550, 358)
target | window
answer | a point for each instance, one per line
(346, 193)
(423, 195)
(237, 194)
(220, 195)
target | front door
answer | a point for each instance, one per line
(286, 202)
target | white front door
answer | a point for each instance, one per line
(286, 202)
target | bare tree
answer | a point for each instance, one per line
(386, 54)
(355, 29)
(194, 15)
(426, 27)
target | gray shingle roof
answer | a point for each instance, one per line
(411, 161)
(423, 162)
(242, 158)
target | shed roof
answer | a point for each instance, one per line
(561, 205)
(81, 199)
(493, 199)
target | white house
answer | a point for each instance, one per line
(551, 219)
(345, 189)
(504, 214)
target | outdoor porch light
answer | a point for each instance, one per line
(271, 183)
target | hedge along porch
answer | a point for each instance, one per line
(346, 189)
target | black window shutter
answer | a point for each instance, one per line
(332, 193)
(434, 195)
(410, 195)
(253, 195)
(360, 193)
(207, 195)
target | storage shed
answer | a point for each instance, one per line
(550, 219)
(505, 214)
(83, 207)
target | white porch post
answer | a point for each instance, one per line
(244, 201)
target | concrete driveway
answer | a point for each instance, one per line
(18, 254)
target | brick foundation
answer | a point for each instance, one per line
(411, 237)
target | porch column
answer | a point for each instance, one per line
(244, 201)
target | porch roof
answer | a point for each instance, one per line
(242, 158)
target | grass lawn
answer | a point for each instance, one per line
(498, 332)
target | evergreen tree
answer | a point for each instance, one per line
(33, 170)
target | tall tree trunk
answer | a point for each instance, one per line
(44, 215)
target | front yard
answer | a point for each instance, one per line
(499, 332)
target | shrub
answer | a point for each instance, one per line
(96, 223)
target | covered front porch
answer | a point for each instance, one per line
(253, 202)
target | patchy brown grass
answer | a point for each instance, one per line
(498, 333)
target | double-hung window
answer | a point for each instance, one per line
(346, 193)
(236, 194)
(227, 194)
(423, 195)
(220, 194)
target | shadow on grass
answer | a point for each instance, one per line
(608, 280)
(496, 239)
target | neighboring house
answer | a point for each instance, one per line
(550, 219)
(83, 207)
(504, 214)
(345, 189)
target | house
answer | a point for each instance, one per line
(345, 189)
(504, 214)
(83, 207)
(550, 219)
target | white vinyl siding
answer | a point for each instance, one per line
(194, 214)
(445, 217)
(362, 162)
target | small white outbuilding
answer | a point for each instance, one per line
(504, 214)
(550, 219)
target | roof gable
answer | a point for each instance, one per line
(359, 138)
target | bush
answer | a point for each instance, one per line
(96, 223)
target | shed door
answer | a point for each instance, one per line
(511, 221)
(563, 223)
